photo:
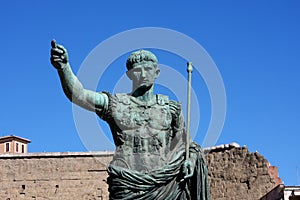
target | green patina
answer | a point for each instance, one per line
(148, 131)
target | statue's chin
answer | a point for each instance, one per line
(144, 87)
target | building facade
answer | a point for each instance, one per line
(13, 144)
(282, 192)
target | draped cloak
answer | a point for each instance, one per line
(165, 183)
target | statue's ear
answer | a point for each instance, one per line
(129, 74)
(157, 72)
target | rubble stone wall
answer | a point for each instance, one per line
(234, 173)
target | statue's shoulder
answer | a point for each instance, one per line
(162, 99)
(114, 99)
(123, 98)
(174, 106)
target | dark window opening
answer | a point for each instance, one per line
(7, 147)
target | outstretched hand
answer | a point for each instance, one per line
(59, 55)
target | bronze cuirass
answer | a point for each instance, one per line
(141, 130)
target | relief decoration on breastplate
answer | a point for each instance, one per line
(130, 113)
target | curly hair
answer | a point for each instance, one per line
(139, 56)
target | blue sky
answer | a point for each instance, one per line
(255, 45)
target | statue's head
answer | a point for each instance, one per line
(142, 68)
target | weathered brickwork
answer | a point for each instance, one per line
(62, 176)
(235, 173)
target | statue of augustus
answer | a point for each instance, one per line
(148, 131)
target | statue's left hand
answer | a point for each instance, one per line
(188, 169)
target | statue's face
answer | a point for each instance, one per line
(143, 74)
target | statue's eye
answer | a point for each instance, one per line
(137, 69)
(148, 68)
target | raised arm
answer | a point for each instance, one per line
(72, 87)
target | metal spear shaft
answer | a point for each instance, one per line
(188, 124)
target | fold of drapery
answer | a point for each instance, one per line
(164, 183)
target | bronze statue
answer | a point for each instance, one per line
(148, 132)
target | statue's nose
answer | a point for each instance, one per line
(143, 73)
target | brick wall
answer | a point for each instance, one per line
(234, 173)
(54, 176)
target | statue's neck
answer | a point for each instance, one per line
(144, 94)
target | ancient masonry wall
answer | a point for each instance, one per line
(63, 176)
(234, 173)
